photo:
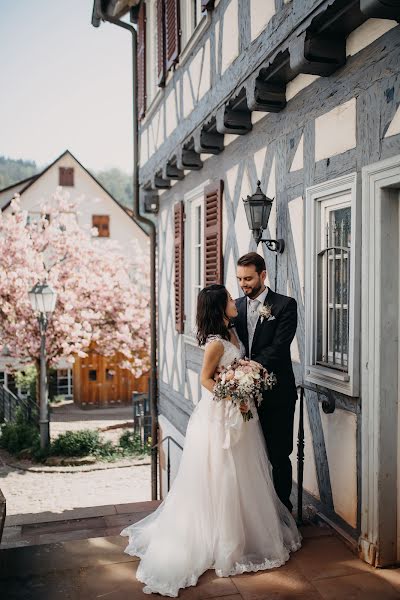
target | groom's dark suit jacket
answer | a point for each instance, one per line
(271, 343)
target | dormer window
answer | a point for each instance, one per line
(66, 176)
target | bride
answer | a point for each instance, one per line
(222, 511)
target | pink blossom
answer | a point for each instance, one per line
(102, 298)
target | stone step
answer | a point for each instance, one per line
(21, 531)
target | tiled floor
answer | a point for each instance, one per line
(85, 569)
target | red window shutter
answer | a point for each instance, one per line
(141, 61)
(161, 42)
(172, 32)
(213, 259)
(179, 265)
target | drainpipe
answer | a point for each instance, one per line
(152, 235)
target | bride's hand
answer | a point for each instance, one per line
(244, 407)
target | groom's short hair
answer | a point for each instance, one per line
(252, 258)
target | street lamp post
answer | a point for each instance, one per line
(43, 301)
(258, 208)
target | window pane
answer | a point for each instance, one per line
(92, 375)
(333, 290)
(340, 227)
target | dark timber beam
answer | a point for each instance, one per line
(381, 9)
(233, 121)
(317, 54)
(171, 171)
(209, 142)
(189, 159)
(160, 183)
(265, 96)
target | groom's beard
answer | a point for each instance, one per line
(253, 292)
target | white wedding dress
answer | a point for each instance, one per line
(222, 511)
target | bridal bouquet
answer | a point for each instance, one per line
(243, 382)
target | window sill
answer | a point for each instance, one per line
(330, 379)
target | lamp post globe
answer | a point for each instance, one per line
(43, 298)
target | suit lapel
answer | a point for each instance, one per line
(242, 321)
(268, 300)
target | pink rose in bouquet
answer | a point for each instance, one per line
(243, 383)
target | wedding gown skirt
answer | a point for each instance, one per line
(222, 511)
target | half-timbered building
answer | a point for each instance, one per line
(304, 96)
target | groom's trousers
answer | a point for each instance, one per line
(276, 420)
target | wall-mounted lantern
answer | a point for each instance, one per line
(258, 208)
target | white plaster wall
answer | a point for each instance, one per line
(394, 127)
(367, 33)
(335, 131)
(261, 12)
(298, 84)
(298, 159)
(230, 37)
(340, 433)
(171, 108)
(93, 201)
(296, 221)
(310, 481)
(167, 428)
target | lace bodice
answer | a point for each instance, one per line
(231, 352)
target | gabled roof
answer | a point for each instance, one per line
(31, 180)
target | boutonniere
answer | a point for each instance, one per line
(265, 312)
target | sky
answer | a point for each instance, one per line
(64, 84)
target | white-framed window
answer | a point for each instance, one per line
(332, 285)
(151, 51)
(64, 382)
(191, 15)
(194, 254)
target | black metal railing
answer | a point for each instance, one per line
(328, 406)
(168, 439)
(11, 405)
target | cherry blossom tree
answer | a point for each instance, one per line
(102, 298)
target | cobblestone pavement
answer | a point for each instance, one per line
(30, 492)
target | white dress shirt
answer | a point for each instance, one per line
(253, 315)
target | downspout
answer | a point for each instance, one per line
(152, 235)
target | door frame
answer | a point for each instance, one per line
(380, 239)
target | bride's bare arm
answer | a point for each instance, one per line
(212, 355)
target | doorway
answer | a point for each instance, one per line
(380, 364)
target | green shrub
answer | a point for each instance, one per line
(76, 443)
(132, 444)
(19, 436)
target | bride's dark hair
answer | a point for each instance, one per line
(211, 306)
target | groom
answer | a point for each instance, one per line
(267, 336)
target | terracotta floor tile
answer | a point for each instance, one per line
(327, 557)
(287, 582)
(113, 582)
(364, 586)
(392, 576)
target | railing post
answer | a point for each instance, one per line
(300, 459)
(168, 467)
